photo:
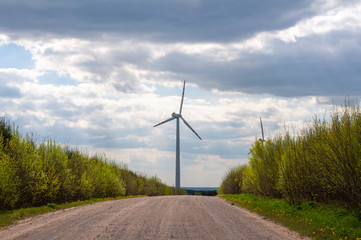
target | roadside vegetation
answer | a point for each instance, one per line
(313, 219)
(35, 174)
(320, 164)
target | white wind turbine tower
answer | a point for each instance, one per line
(178, 116)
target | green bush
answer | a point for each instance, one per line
(34, 174)
(5, 129)
(321, 163)
(233, 180)
(264, 163)
(52, 205)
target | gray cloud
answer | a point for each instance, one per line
(7, 87)
(9, 92)
(158, 20)
(317, 65)
(324, 65)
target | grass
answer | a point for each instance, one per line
(312, 219)
(11, 216)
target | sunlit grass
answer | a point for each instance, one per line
(10, 217)
(316, 220)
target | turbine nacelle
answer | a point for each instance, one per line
(175, 115)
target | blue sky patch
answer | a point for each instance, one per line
(15, 56)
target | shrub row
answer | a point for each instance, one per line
(321, 163)
(33, 174)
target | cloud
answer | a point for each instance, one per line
(314, 55)
(158, 20)
(12, 81)
(9, 92)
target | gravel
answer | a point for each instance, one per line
(165, 217)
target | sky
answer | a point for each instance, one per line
(99, 74)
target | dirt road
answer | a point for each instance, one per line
(168, 217)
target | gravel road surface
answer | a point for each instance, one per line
(166, 217)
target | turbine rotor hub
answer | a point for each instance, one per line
(175, 115)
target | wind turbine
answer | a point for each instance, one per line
(261, 139)
(177, 117)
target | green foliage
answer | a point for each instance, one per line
(9, 182)
(179, 191)
(264, 164)
(312, 219)
(35, 174)
(233, 180)
(322, 163)
(5, 129)
(52, 205)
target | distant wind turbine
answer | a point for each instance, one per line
(178, 116)
(261, 139)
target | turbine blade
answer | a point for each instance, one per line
(261, 129)
(185, 122)
(181, 106)
(170, 119)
